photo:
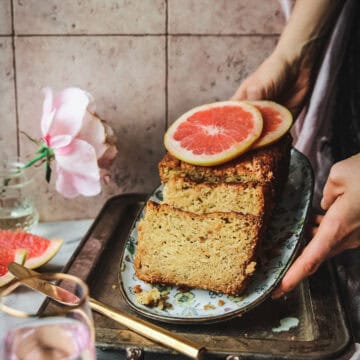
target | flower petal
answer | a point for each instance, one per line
(48, 114)
(70, 106)
(59, 141)
(70, 185)
(77, 170)
(92, 106)
(101, 136)
(86, 186)
(65, 183)
(78, 158)
(93, 132)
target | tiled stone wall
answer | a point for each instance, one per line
(144, 61)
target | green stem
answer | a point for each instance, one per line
(42, 155)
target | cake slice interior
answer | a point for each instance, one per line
(214, 251)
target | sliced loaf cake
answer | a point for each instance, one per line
(214, 251)
(208, 230)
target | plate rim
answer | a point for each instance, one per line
(234, 313)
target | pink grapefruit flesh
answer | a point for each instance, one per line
(8, 256)
(214, 133)
(277, 121)
(39, 249)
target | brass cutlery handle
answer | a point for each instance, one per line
(142, 327)
(150, 331)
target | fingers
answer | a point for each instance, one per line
(317, 219)
(316, 223)
(330, 193)
(313, 226)
(334, 186)
(318, 250)
(263, 83)
(240, 94)
(338, 230)
(305, 265)
(249, 90)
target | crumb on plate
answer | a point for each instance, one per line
(209, 307)
(153, 298)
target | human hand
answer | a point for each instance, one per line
(339, 228)
(277, 80)
(287, 74)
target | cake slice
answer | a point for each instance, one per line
(249, 184)
(214, 251)
(267, 166)
(201, 198)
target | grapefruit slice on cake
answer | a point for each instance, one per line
(277, 121)
(214, 133)
(39, 249)
(6, 257)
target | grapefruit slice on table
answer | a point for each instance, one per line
(277, 121)
(6, 257)
(39, 249)
(214, 133)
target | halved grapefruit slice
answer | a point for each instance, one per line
(214, 133)
(6, 257)
(39, 249)
(277, 121)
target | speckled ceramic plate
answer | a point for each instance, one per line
(284, 235)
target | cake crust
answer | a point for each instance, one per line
(260, 166)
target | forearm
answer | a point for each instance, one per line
(308, 27)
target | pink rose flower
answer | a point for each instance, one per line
(77, 139)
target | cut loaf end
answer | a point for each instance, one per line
(214, 251)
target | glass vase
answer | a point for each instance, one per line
(17, 197)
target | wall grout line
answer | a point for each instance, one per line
(166, 64)
(15, 78)
(224, 35)
(89, 35)
(141, 35)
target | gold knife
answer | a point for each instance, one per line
(142, 327)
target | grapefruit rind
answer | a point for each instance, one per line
(273, 136)
(39, 249)
(174, 147)
(19, 257)
(46, 256)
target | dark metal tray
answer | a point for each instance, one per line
(322, 332)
